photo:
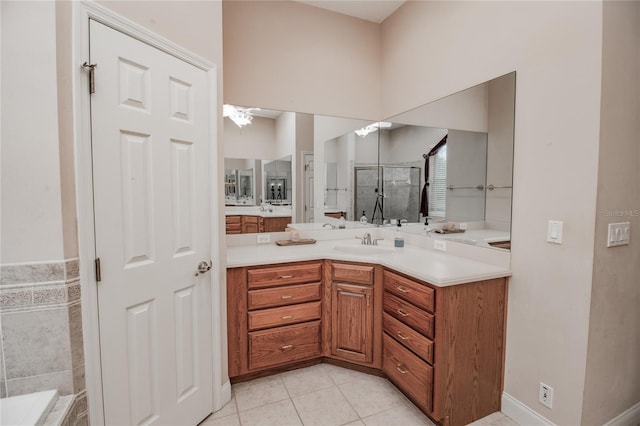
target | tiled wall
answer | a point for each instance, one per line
(41, 332)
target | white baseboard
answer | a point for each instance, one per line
(522, 414)
(631, 417)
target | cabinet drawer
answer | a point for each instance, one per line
(414, 317)
(233, 220)
(284, 315)
(284, 344)
(279, 275)
(411, 291)
(412, 375)
(271, 297)
(356, 274)
(408, 337)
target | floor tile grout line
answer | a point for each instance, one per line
(350, 404)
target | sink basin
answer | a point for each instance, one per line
(363, 249)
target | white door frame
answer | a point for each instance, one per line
(81, 13)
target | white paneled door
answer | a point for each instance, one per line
(150, 137)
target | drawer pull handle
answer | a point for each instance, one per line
(285, 347)
(287, 317)
(286, 297)
(402, 313)
(285, 277)
(402, 336)
(400, 369)
(402, 289)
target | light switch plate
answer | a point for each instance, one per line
(618, 234)
(554, 232)
(440, 245)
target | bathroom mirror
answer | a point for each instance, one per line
(341, 155)
(278, 180)
(471, 174)
(239, 181)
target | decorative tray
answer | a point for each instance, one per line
(296, 243)
(449, 231)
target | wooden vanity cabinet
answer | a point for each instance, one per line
(274, 316)
(246, 224)
(354, 292)
(252, 224)
(276, 224)
(444, 346)
(233, 224)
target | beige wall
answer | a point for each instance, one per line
(431, 49)
(613, 359)
(32, 229)
(257, 140)
(292, 57)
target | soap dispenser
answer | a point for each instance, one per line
(363, 218)
(342, 223)
(398, 241)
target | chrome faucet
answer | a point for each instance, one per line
(365, 239)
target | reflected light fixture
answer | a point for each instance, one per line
(372, 128)
(240, 116)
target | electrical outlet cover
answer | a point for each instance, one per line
(264, 238)
(545, 395)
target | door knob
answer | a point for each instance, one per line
(203, 267)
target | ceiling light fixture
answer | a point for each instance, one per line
(373, 128)
(240, 116)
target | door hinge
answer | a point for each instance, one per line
(92, 75)
(98, 271)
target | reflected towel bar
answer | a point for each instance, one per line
(478, 187)
(492, 187)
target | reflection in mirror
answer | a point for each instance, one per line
(463, 146)
(278, 179)
(260, 191)
(239, 176)
(341, 155)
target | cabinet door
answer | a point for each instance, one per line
(352, 322)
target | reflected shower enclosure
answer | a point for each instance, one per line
(397, 198)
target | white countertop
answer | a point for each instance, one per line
(436, 267)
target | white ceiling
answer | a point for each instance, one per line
(370, 10)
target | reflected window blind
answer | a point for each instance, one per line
(438, 183)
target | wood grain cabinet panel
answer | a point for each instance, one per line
(283, 345)
(412, 375)
(282, 275)
(355, 274)
(276, 224)
(352, 322)
(233, 224)
(413, 316)
(284, 315)
(415, 293)
(279, 296)
(252, 224)
(409, 338)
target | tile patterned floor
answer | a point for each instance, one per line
(324, 395)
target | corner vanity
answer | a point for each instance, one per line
(433, 323)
